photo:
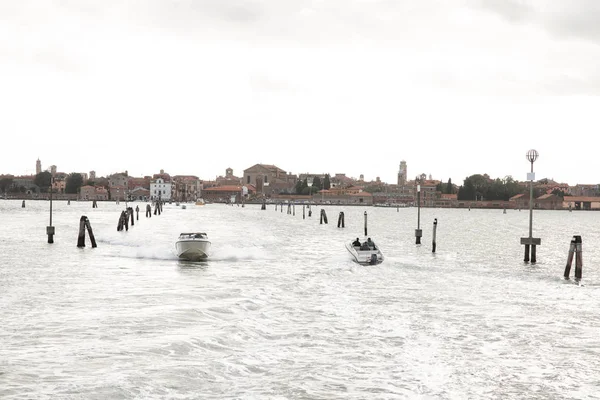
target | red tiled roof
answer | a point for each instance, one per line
(228, 188)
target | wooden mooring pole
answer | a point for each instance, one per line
(433, 242)
(303, 211)
(84, 224)
(341, 222)
(575, 249)
(366, 224)
(323, 216)
(130, 214)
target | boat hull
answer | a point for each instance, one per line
(364, 257)
(192, 250)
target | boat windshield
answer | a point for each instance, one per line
(193, 236)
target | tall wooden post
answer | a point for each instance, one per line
(418, 231)
(303, 211)
(575, 249)
(81, 236)
(433, 244)
(366, 224)
(341, 222)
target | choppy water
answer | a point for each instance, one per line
(281, 312)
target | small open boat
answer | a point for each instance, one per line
(193, 246)
(365, 253)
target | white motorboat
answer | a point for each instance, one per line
(367, 253)
(193, 246)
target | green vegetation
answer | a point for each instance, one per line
(5, 183)
(43, 180)
(479, 187)
(326, 182)
(73, 183)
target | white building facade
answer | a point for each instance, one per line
(160, 189)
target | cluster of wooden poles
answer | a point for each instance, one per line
(124, 219)
(291, 209)
(575, 250)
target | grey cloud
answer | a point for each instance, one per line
(573, 18)
(512, 10)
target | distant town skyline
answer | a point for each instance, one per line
(455, 88)
(402, 174)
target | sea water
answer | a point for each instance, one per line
(280, 310)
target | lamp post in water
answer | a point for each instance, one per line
(50, 228)
(531, 242)
(418, 231)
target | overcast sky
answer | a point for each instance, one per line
(453, 87)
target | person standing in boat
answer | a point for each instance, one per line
(371, 244)
(356, 242)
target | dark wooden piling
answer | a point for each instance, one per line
(94, 204)
(341, 222)
(575, 249)
(294, 209)
(264, 206)
(303, 211)
(433, 243)
(419, 231)
(81, 237)
(275, 206)
(323, 216)
(578, 258)
(123, 221)
(281, 207)
(130, 214)
(23, 204)
(84, 224)
(68, 202)
(137, 212)
(366, 234)
(90, 232)
(148, 211)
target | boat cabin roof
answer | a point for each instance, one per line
(194, 235)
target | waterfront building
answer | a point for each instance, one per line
(161, 187)
(88, 192)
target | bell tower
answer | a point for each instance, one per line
(402, 174)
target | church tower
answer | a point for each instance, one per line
(402, 174)
(38, 166)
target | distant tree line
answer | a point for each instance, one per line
(478, 187)
(303, 188)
